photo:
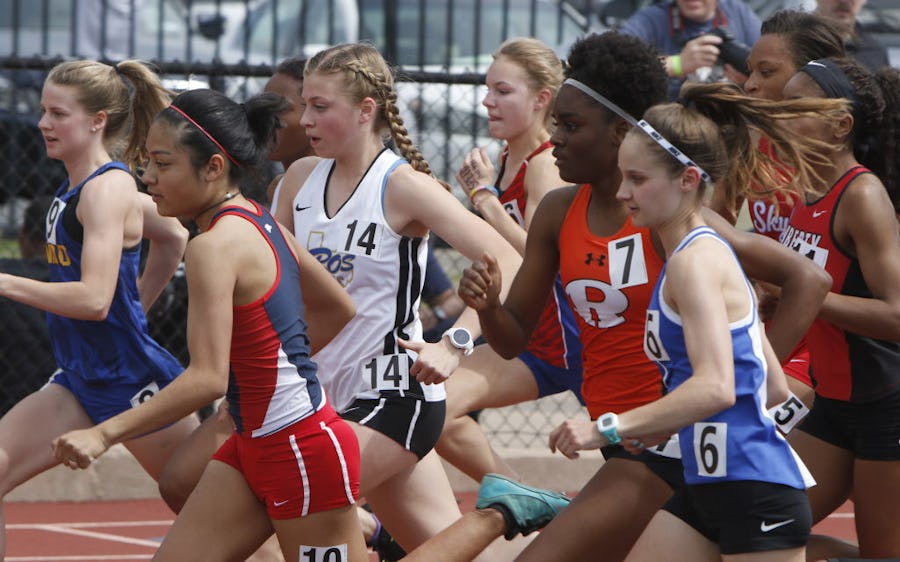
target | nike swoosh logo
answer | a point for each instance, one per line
(817, 214)
(766, 527)
(299, 208)
(281, 503)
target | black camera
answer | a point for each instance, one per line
(731, 50)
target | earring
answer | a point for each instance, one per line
(93, 129)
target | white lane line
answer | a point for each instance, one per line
(78, 558)
(100, 536)
(95, 524)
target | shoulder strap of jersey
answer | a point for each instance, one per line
(850, 175)
(114, 165)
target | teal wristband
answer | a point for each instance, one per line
(608, 425)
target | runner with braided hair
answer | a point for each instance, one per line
(366, 214)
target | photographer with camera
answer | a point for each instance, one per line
(701, 40)
(859, 44)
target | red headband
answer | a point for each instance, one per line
(205, 132)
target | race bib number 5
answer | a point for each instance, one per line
(388, 372)
(789, 413)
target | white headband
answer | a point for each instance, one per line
(643, 125)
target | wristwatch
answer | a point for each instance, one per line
(460, 338)
(608, 424)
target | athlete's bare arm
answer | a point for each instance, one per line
(168, 239)
(508, 326)
(803, 283)
(867, 226)
(327, 306)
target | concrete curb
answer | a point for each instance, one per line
(117, 476)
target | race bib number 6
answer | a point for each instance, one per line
(710, 448)
(144, 394)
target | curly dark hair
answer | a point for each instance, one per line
(621, 68)
(808, 36)
(876, 129)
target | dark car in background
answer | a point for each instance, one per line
(164, 29)
(441, 48)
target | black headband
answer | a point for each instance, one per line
(831, 79)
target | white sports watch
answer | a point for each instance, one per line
(608, 424)
(460, 338)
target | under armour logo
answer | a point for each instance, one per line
(589, 259)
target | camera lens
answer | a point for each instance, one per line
(732, 51)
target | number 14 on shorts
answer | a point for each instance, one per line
(388, 372)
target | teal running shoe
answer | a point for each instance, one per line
(525, 509)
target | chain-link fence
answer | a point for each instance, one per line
(441, 108)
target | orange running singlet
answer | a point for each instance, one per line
(609, 282)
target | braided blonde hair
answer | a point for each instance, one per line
(367, 75)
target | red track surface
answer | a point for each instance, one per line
(122, 531)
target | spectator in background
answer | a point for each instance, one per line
(105, 29)
(680, 31)
(859, 44)
(24, 342)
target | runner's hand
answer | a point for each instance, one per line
(79, 448)
(435, 361)
(700, 52)
(575, 435)
(480, 284)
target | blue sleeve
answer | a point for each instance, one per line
(436, 280)
(649, 25)
(743, 22)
